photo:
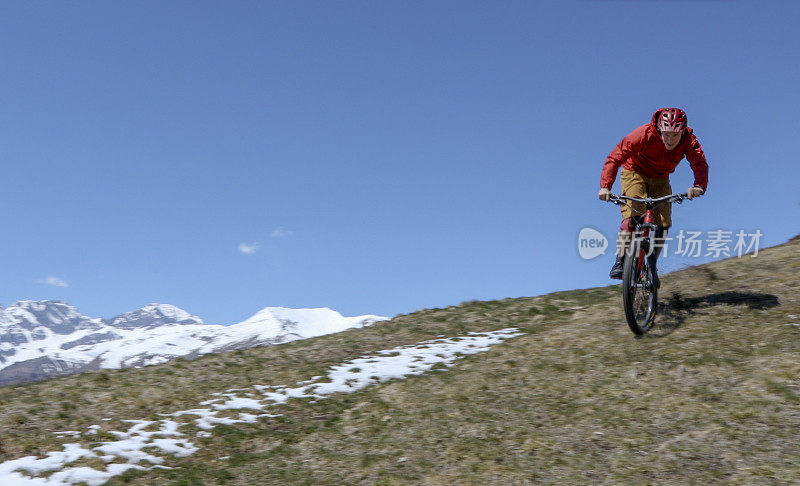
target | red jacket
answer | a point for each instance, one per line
(644, 152)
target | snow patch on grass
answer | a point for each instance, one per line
(163, 438)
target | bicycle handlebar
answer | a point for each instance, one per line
(650, 202)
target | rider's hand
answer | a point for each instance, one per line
(695, 192)
(604, 194)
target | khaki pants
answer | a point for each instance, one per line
(639, 186)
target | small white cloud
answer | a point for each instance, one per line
(55, 281)
(248, 248)
(281, 232)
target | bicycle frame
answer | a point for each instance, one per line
(646, 229)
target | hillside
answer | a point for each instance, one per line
(712, 394)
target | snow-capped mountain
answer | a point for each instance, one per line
(40, 339)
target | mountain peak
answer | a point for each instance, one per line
(153, 315)
(40, 305)
(56, 315)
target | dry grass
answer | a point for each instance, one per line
(711, 395)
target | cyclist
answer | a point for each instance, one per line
(648, 155)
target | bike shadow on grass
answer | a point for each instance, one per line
(674, 311)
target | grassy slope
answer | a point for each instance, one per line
(713, 394)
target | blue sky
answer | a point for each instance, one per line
(373, 157)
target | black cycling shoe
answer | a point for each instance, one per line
(653, 262)
(616, 270)
(656, 280)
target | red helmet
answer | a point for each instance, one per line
(671, 120)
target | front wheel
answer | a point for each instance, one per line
(639, 295)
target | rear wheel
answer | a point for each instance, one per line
(639, 295)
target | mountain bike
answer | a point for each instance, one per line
(639, 275)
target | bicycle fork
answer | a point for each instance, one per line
(648, 233)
